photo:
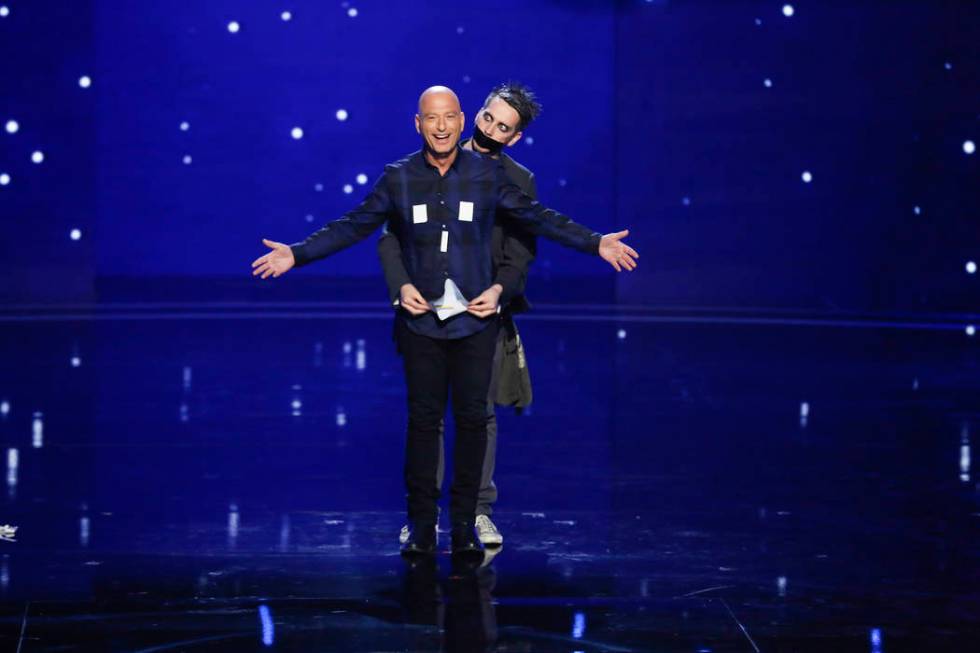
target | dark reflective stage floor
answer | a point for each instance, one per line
(226, 482)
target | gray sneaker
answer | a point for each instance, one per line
(487, 531)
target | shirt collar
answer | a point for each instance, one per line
(455, 163)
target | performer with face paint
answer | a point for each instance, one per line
(442, 203)
(500, 122)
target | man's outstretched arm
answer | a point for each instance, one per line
(334, 236)
(517, 206)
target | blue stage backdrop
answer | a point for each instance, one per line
(813, 155)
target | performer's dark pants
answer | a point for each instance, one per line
(433, 367)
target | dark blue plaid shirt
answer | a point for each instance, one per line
(445, 226)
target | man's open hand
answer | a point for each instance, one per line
(617, 253)
(276, 263)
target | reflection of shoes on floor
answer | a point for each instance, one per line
(421, 540)
(403, 536)
(487, 531)
(464, 540)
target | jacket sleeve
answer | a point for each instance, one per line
(390, 253)
(519, 250)
(525, 212)
(353, 227)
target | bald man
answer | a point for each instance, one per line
(442, 202)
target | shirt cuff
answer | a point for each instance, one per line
(299, 254)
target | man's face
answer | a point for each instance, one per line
(499, 121)
(440, 122)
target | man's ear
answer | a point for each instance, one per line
(514, 140)
(418, 123)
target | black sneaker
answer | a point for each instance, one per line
(421, 540)
(465, 540)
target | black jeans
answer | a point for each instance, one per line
(434, 368)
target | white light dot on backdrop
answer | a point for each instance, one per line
(85, 81)
(362, 179)
(234, 27)
(286, 16)
(296, 133)
(309, 218)
(971, 267)
(969, 147)
(767, 82)
(621, 334)
(686, 201)
(348, 189)
(12, 126)
(948, 66)
(37, 156)
(352, 12)
(4, 11)
(4, 179)
(187, 159)
(562, 182)
(184, 126)
(529, 140)
(758, 22)
(341, 115)
(76, 361)
(806, 176)
(788, 11)
(318, 188)
(917, 210)
(460, 30)
(466, 79)
(75, 234)
(971, 330)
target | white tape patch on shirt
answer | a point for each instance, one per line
(444, 245)
(466, 211)
(419, 214)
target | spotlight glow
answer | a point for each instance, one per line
(917, 210)
(297, 133)
(4, 11)
(12, 127)
(318, 188)
(971, 330)
(233, 27)
(348, 189)
(85, 81)
(788, 11)
(286, 16)
(187, 160)
(529, 140)
(37, 156)
(76, 234)
(948, 66)
(362, 179)
(352, 12)
(341, 115)
(969, 147)
(184, 126)
(767, 83)
(971, 267)
(4, 179)
(807, 177)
